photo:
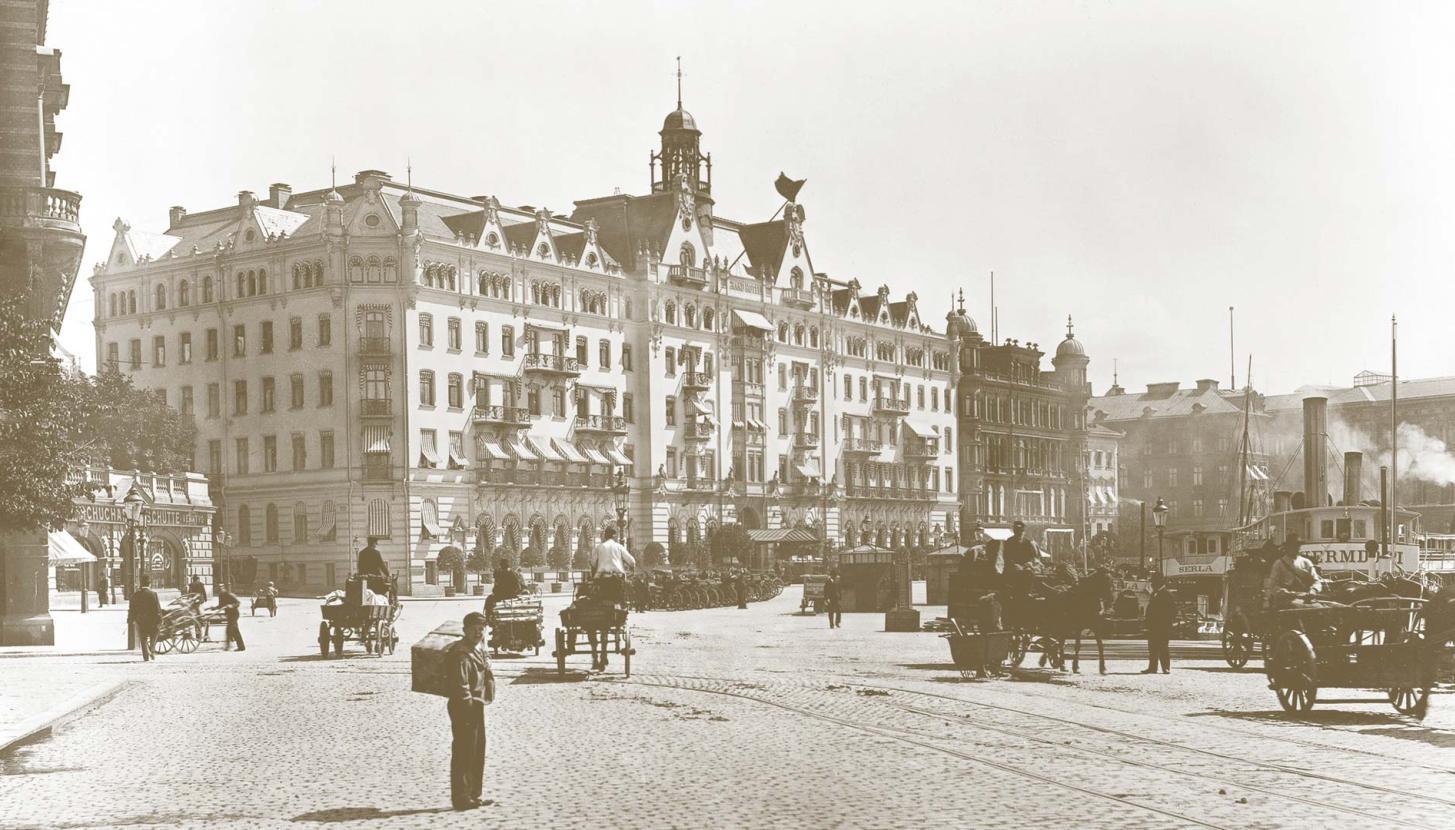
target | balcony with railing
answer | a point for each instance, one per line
(862, 446)
(798, 297)
(511, 416)
(551, 364)
(601, 424)
(803, 394)
(695, 431)
(376, 408)
(922, 448)
(371, 346)
(686, 275)
(891, 406)
(699, 381)
(40, 207)
(805, 440)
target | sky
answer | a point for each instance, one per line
(1138, 166)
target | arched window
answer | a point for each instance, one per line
(782, 332)
(270, 524)
(375, 270)
(694, 532)
(113, 305)
(242, 284)
(671, 313)
(798, 334)
(391, 271)
(300, 522)
(795, 277)
(356, 269)
(252, 284)
(131, 302)
(184, 293)
(688, 255)
(427, 276)
(262, 280)
(689, 316)
(813, 336)
(707, 318)
(244, 525)
(207, 289)
(300, 276)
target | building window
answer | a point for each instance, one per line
(134, 349)
(782, 421)
(212, 347)
(240, 455)
(671, 362)
(1196, 476)
(184, 347)
(159, 352)
(626, 357)
(782, 376)
(270, 524)
(455, 390)
(581, 351)
(270, 453)
(325, 450)
(457, 450)
(113, 356)
(239, 397)
(239, 341)
(627, 412)
(533, 400)
(426, 388)
(452, 333)
(671, 411)
(604, 351)
(1197, 507)
(507, 341)
(266, 338)
(300, 452)
(863, 389)
(325, 330)
(214, 400)
(214, 457)
(376, 384)
(1147, 480)
(426, 330)
(244, 525)
(300, 522)
(325, 388)
(558, 402)
(267, 395)
(482, 338)
(428, 449)
(186, 400)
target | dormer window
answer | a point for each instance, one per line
(795, 277)
(688, 255)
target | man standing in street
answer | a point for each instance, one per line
(231, 608)
(472, 685)
(1161, 610)
(609, 564)
(145, 612)
(103, 585)
(832, 596)
(740, 587)
(198, 590)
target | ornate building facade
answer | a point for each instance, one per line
(443, 371)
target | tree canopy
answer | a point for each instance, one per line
(136, 428)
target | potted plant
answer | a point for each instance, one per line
(451, 562)
(478, 562)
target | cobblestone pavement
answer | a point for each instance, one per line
(731, 718)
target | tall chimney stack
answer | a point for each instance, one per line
(1315, 464)
(1353, 470)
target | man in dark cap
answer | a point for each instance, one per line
(1018, 550)
(472, 685)
(144, 611)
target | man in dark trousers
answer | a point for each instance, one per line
(1161, 611)
(198, 590)
(145, 612)
(740, 586)
(833, 595)
(231, 608)
(103, 586)
(472, 685)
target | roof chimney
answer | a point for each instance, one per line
(1207, 385)
(1162, 390)
(278, 194)
(175, 214)
(245, 198)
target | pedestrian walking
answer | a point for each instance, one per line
(232, 609)
(740, 584)
(1161, 610)
(103, 586)
(472, 686)
(832, 596)
(198, 590)
(145, 612)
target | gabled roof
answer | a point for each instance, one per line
(765, 243)
(145, 244)
(869, 306)
(627, 223)
(278, 222)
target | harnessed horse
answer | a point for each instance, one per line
(1065, 612)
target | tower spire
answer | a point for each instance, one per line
(679, 82)
(1069, 327)
(962, 300)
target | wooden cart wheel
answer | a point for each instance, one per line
(1292, 671)
(1407, 701)
(186, 640)
(323, 639)
(560, 652)
(385, 638)
(162, 645)
(338, 642)
(1237, 648)
(1019, 644)
(626, 652)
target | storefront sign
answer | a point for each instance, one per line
(1353, 557)
(1203, 566)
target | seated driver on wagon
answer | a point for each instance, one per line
(1292, 574)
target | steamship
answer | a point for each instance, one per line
(1348, 535)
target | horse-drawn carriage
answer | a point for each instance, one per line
(598, 616)
(365, 611)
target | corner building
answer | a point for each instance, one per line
(446, 371)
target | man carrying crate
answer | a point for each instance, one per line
(471, 685)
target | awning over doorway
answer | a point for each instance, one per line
(65, 550)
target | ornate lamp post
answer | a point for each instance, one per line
(131, 507)
(621, 491)
(1159, 518)
(222, 540)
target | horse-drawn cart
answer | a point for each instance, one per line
(602, 625)
(1381, 644)
(361, 613)
(515, 625)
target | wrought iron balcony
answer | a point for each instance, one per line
(687, 276)
(891, 406)
(922, 448)
(603, 424)
(374, 346)
(803, 394)
(696, 380)
(514, 416)
(553, 364)
(862, 446)
(800, 297)
(40, 207)
(376, 408)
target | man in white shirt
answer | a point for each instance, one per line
(611, 560)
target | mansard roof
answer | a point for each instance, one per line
(628, 224)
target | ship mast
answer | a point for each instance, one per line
(1244, 493)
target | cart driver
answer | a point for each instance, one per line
(371, 565)
(1292, 574)
(507, 585)
(1018, 550)
(610, 562)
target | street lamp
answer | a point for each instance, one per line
(1159, 518)
(223, 540)
(622, 491)
(131, 507)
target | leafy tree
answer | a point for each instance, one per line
(506, 555)
(44, 413)
(580, 558)
(450, 561)
(478, 562)
(531, 558)
(558, 557)
(651, 555)
(136, 429)
(732, 542)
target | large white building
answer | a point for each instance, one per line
(378, 359)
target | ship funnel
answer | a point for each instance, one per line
(1353, 470)
(1282, 501)
(1315, 465)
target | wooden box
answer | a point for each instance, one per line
(426, 659)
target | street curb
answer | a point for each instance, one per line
(69, 708)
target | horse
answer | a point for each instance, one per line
(1068, 612)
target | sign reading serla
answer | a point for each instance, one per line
(1204, 566)
(1352, 556)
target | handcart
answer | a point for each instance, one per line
(515, 625)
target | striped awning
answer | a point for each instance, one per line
(326, 524)
(752, 320)
(807, 469)
(493, 450)
(377, 439)
(568, 451)
(521, 451)
(617, 456)
(543, 449)
(595, 455)
(698, 406)
(65, 550)
(428, 453)
(379, 518)
(457, 457)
